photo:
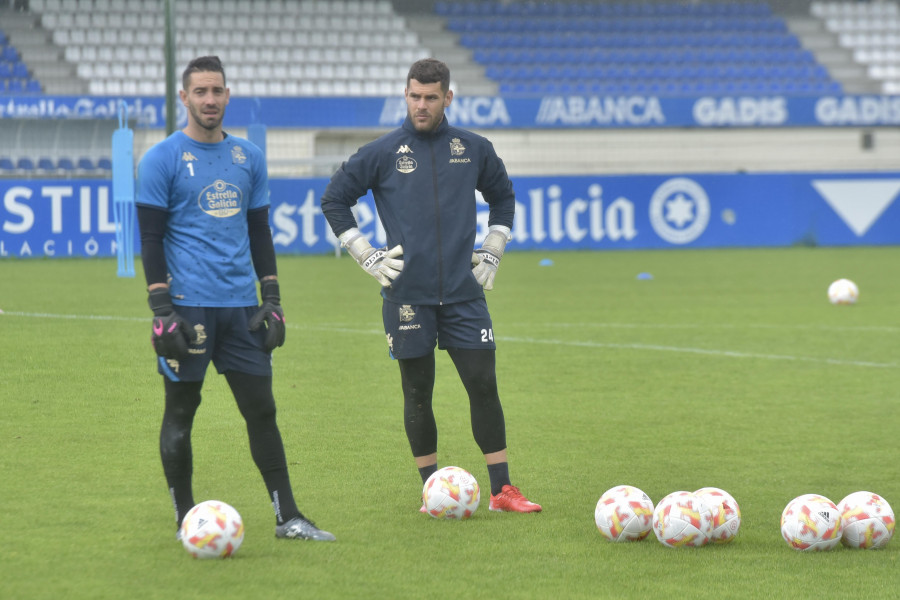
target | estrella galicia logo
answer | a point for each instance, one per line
(679, 210)
(406, 164)
(221, 199)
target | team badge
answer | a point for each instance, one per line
(406, 164)
(407, 313)
(237, 155)
(456, 147)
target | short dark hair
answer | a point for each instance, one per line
(202, 64)
(430, 70)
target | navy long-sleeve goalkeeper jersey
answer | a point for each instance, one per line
(424, 188)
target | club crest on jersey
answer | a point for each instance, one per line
(407, 313)
(237, 155)
(405, 164)
(457, 149)
(187, 156)
(221, 199)
(404, 149)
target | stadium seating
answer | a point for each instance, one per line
(269, 47)
(657, 48)
(871, 30)
(15, 78)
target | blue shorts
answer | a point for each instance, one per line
(223, 338)
(412, 331)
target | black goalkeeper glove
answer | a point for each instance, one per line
(270, 312)
(171, 334)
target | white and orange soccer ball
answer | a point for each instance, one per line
(726, 513)
(811, 523)
(451, 493)
(212, 529)
(843, 291)
(867, 520)
(683, 519)
(624, 514)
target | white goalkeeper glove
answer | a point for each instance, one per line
(486, 259)
(384, 265)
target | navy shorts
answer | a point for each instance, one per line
(413, 330)
(223, 338)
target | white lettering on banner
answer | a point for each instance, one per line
(741, 111)
(581, 110)
(286, 227)
(17, 202)
(56, 195)
(865, 110)
(468, 110)
(616, 222)
(81, 108)
(23, 211)
(478, 110)
(53, 247)
(286, 230)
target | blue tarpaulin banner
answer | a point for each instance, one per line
(59, 218)
(494, 112)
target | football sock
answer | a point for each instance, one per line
(253, 394)
(499, 474)
(426, 472)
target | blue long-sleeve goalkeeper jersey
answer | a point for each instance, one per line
(424, 188)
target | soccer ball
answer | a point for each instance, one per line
(451, 493)
(624, 514)
(726, 513)
(683, 519)
(810, 523)
(867, 519)
(212, 529)
(843, 291)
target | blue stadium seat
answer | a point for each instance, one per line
(105, 164)
(33, 86)
(45, 164)
(25, 164)
(15, 86)
(65, 164)
(6, 164)
(86, 164)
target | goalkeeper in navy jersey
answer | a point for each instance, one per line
(203, 213)
(423, 177)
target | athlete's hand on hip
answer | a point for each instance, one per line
(382, 264)
(271, 314)
(486, 260)
(171, 334)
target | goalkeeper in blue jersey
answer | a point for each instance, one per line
(203, 213)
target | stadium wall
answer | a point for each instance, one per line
(766, 172)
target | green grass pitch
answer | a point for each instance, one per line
(729, 369)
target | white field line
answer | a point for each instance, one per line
(553, 342)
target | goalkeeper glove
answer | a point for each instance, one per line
(382, 264)
(171, 334)
(486, 259)
(271, 314)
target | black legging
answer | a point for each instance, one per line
(477, 370)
